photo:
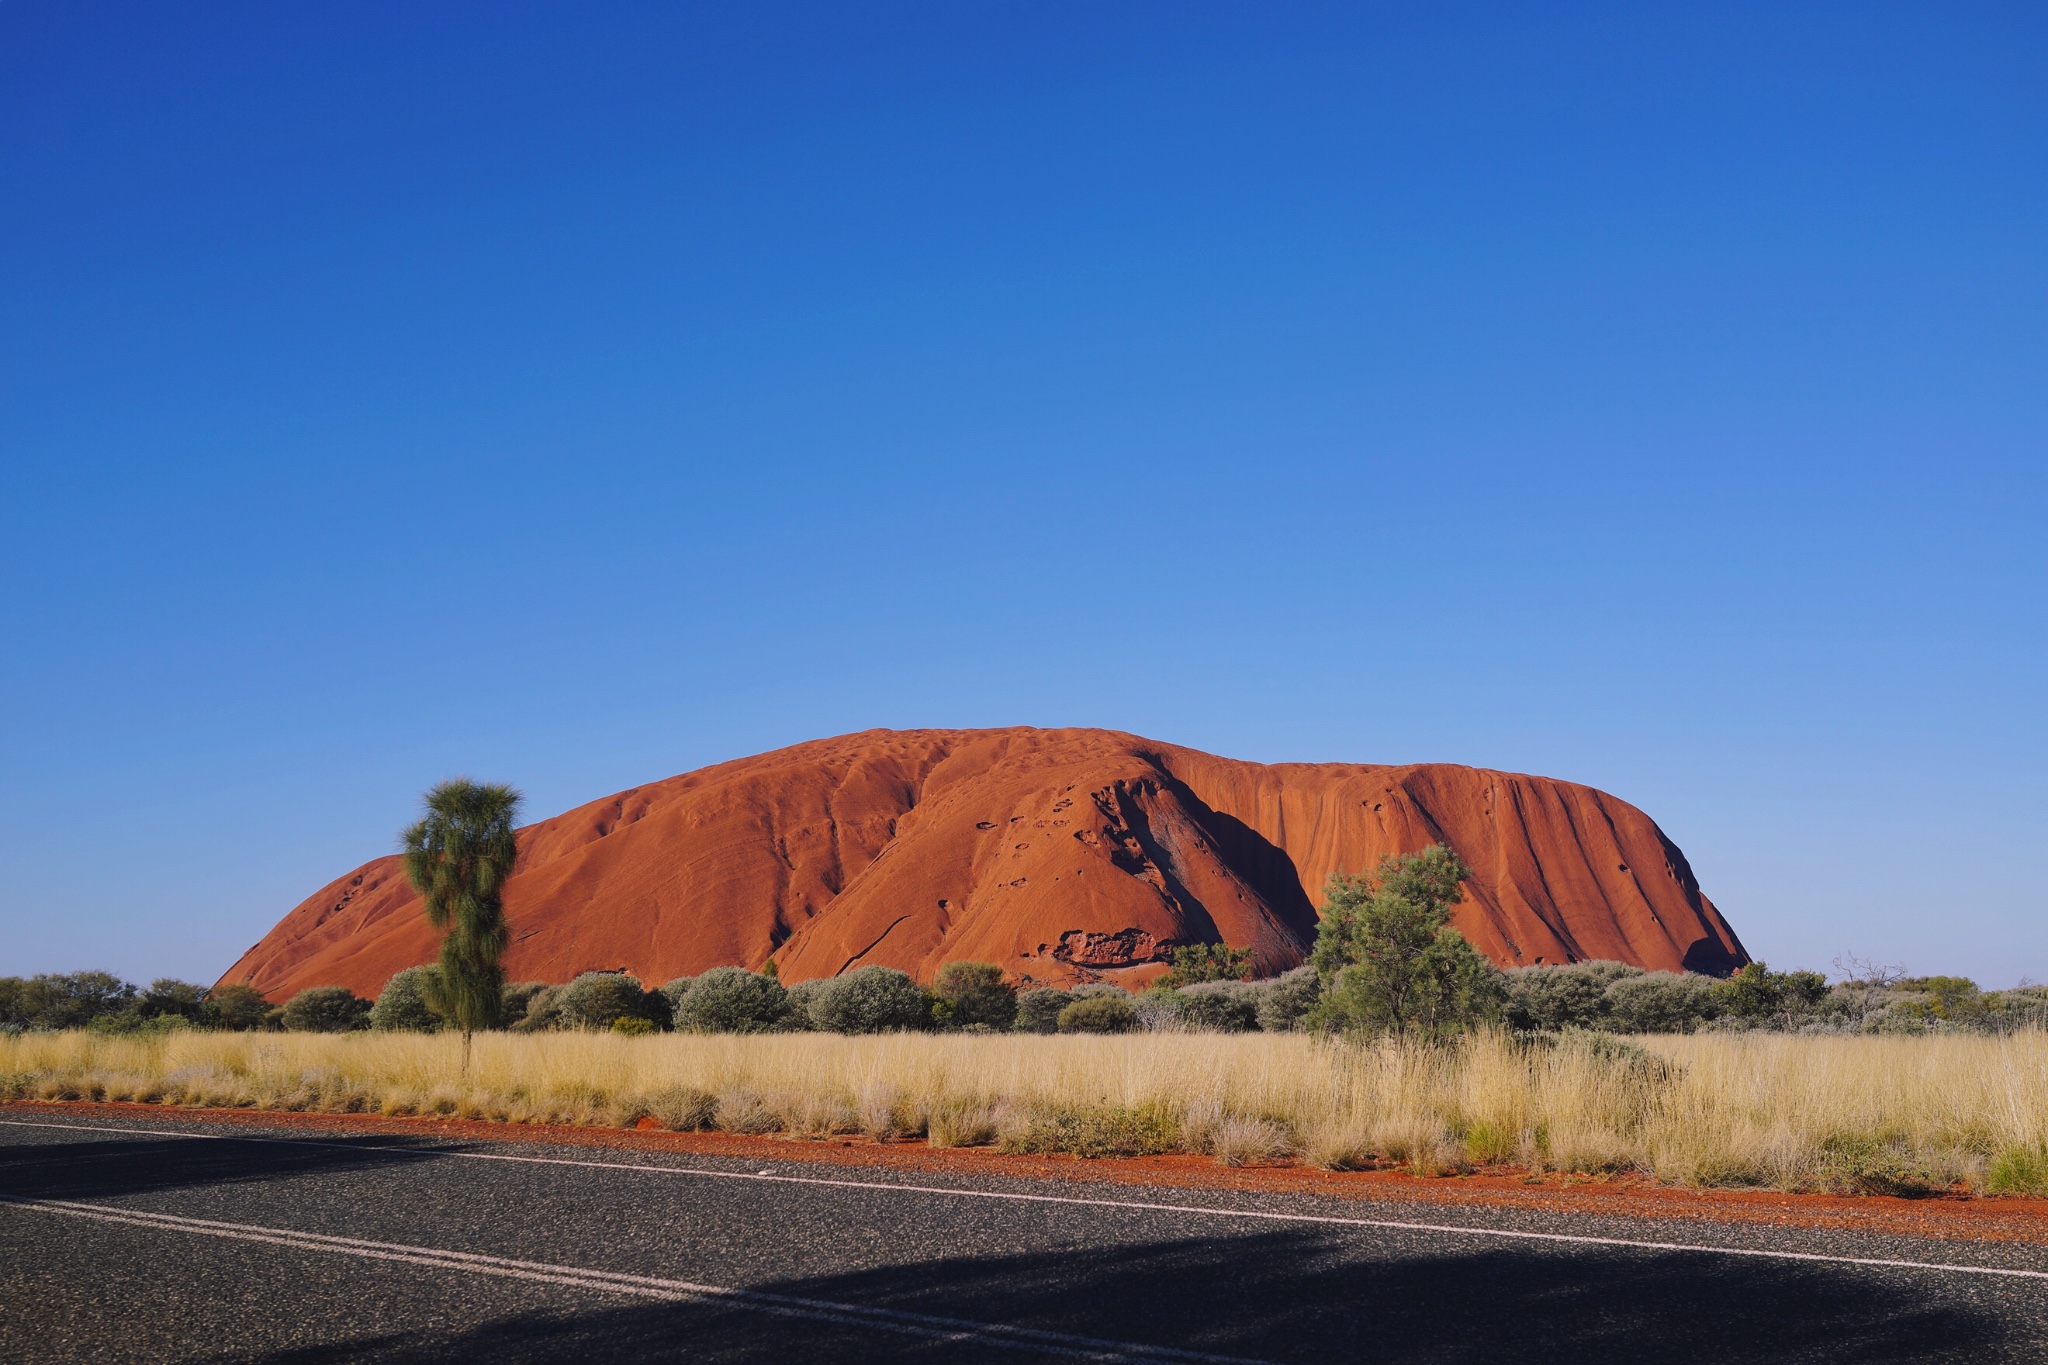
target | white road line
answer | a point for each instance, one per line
(1201, 1210)
(642, 1286)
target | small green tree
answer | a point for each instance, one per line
(457, 857)
(974, 993)
(1390, 960)
(1197, 962)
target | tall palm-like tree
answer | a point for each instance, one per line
(458, 857)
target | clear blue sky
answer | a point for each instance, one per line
(575, 395)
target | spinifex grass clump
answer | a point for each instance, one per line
(1897, 1113)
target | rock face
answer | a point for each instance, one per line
(1062, 855)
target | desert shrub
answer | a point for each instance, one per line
(674, 991)
(1038, 1009)
(1661, 1002)
(1099, 1014)
(1862, 1165)
(682, 1110)
(2018, 1170)
(973, 993)
(1285, 1001)
(869, 1000)
(1195, 963)
(543, 1011)
(517, 1000)
(597, 1000)
(1219, 1006)
(1571, 995)
(235, 1008)
(1760, 995)
(802, 997)
(402, 1004)
(632, 1026)
(325, 1009)
(732, 1000)
(1094, 1131)
(1389, 958)
(1240, 1141)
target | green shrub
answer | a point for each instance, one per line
(1862, 1165)
(1195, 963)
(674, 991)
(597, 1000)
(632, 1026)
(543, 1011)
(1038, 1009)
(1101, 1131)
(325, 1009)
(974, 993)
(869, 1000)
(1661, 1002)
(517, 999)
(2018, 1170)
(1219, 1006)
(802, 997)
(732, 1000)
(1099, 1014)
(1284, 1003)
(1572, 995)
(402, 1004)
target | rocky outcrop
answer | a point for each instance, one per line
(1063, 855)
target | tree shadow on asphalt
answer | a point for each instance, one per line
(1299, 1296)
(112, 1168)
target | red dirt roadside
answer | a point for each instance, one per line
(1956, 1217)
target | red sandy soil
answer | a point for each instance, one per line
(1954, 1216)
(1061, 855)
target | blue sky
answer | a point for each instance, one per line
(575, 395)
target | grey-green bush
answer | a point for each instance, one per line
(402, 1004)
(802, 997)
(732, 1000)
(1661, 1002)
(325, 1009)
(1099, 1014)
(597, 1000)
(1038, 1009)
(674, 991)
(1571, 995)
(1285, 1001)
(1217, 1007)
(869, 1000)
(518, 1000)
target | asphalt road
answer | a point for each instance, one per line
(122, 1243)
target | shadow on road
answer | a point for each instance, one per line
(1301, 1297)
(114, 1167)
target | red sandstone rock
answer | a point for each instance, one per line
(1062, 855)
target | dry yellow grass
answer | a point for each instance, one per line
(1760, 1109)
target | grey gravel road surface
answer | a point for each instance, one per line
(119, 1241)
